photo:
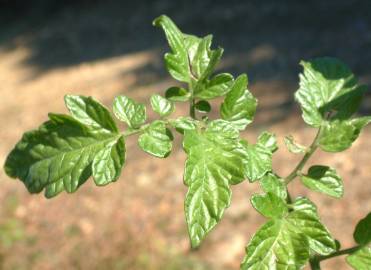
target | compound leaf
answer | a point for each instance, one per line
(191, 58)
(239, 105)
(155, 140)
(90, 112)
(205, 60)
(258, 157)
(161, 105)
(305, 217)
(362, 233)
(177, 94)
(218, 86)
(361, 259)
(203, 106)
(58, 156)
(338, 135)
(177, 62)
(184, 123)
(293, 146)
(276, 245)
(268, 140)
(326, 86)
(129, 111)
(273, 184)
(286, 242)
(212, 165)
(269, 205)
(324, 179)
(108, 162)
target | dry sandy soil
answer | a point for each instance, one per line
(104, 50)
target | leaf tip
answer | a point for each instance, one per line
(157, 21)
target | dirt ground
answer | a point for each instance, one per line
(107, 48)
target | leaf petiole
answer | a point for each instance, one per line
(312, 148)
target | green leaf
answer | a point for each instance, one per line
(326, 86)
(362, 233)
(239, 105)
(268, 140)
(161, 105)
(58, 156)
(129, 111)
(90, 112)
(338, 135)
(177, 62)
(361, 259)
(203, 106)
(177, 94)
(258, 157)
(276, 245)
(338, 244)
(324, 179)
(269, 205)
(218, 86)
(306, 218)
(286, 242)
(273, 184)
(191, 58)
(293, 146)
(155, 140)
(212, 165)
(108, 162)
(205, 60)
(184, 123)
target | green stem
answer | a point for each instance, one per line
(192, 110)
(129, 132)
(288, 198)
(338, 253)
(314, 264)
(192, 101)
(312, 148)
(316, 260)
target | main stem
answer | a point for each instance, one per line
(314, 264)
(192, 110)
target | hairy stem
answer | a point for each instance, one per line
(312, 148)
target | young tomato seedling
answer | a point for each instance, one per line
(65, 151)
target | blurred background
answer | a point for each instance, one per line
(49, 48)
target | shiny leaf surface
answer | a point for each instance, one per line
(324, 179)
(212, 165)
(129, 111)
(155, 140)
(286, 242)
(239, 105)
(327, 89)
(59, 155)
(361, 259)
(161, 105)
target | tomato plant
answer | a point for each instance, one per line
(65, 151)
